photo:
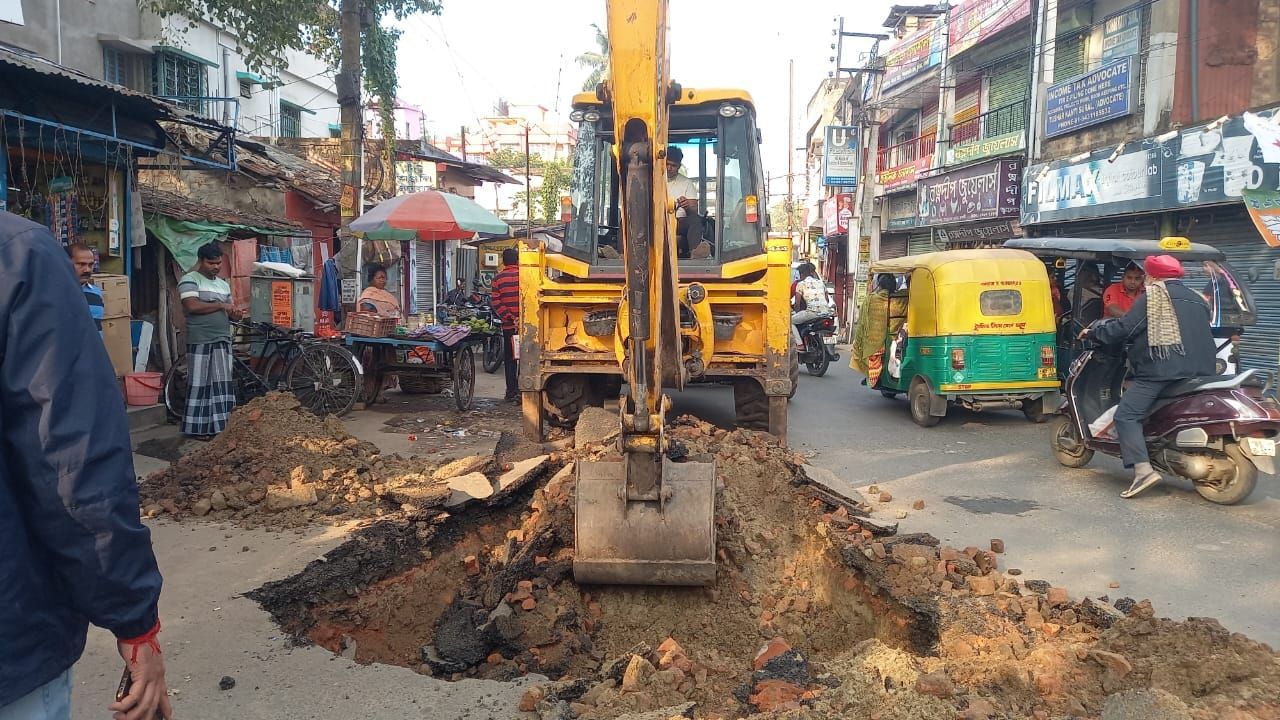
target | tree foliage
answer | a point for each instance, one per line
(597, 61)
(265, 30)
(556, 178)
(511, 159)
(778, 216)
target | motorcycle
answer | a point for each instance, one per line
(816, 347)
(1217, 432)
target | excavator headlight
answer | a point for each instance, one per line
(731, 110)
(591, 116)
(576, 115)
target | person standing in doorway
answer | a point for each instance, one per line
(506, 305)
(74, 550)
(206, 299)
(82, 260)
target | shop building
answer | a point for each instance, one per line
(1169, 127)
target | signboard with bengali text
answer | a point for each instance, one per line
(912, 55)
(982, 192)
(977, 20)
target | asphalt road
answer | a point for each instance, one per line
(992, 475)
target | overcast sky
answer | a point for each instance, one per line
(457, 65)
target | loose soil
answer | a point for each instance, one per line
(814, 615)
(279, 466)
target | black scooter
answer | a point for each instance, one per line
(817, 346)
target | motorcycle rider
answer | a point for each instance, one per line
(1169, 339)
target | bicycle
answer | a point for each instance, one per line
(325, 377)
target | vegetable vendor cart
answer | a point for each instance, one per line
(422, 363)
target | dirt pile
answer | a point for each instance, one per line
(817, 612)
(277, 465)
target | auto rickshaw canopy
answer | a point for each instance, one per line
(974, 292)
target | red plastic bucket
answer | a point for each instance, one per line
(141, 389)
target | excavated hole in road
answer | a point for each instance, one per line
(494, 597)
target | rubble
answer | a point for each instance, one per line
(817, 612)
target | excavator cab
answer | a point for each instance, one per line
(719, 147)
(645, 294)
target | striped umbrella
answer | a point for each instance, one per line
(427, 215)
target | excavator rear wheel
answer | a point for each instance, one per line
(566, 396)
(751, 404)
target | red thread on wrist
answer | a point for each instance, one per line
(148, 638)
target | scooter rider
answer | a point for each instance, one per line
(1169, 339)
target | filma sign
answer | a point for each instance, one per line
(1202, 165)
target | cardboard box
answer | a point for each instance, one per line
(117, 335)
(115, 294)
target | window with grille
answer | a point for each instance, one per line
(290, 120)
(1071, 56)
(246, 88)
(125, 69)
(180, 77)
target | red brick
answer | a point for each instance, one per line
(997, 545)
(885, 496)
(1057, 596)
(878, 549)
(771, 650)
(917, 505)
(773, 695)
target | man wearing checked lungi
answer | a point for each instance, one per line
(206, 298)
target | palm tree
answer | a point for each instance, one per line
(598, 62)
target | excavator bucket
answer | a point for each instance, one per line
(621, 542)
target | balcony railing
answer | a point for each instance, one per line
(905, 152)
(993, 123)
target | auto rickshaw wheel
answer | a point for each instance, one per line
(1068, 447)
(921, 401)
(1034, 410)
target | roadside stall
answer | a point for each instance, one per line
(432, 349)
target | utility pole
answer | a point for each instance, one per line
(464, 143)
(791, 149)
(946, 82)
(348, 84)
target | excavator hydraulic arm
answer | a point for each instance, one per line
(645, 520)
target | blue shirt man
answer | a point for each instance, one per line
(83, 260)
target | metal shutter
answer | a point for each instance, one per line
(967, 107)
(1010, 83)
(424, 276)
(1255, 264)
(920, 242)
(1070, 57)
(1129, 227)
(892, 245)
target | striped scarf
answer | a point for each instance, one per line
(1163, 333)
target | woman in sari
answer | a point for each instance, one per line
(375, 299)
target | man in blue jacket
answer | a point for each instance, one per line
(72, 549)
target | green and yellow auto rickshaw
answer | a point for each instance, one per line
(970, 327)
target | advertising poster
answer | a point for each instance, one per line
(1122, 35)
(1264, 209)
(912, 55)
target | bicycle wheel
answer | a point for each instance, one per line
(175, 391)
(325, 379)
(492, 353)
(464, 378)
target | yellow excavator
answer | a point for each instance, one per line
(656, 294)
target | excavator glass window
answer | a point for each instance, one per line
(720, 161)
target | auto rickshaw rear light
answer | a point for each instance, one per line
(753, 209)
(1046, 356)
(957, 358)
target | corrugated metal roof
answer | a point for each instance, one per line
(26, 60)
(427, 151)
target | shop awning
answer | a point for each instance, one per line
(183, 225)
